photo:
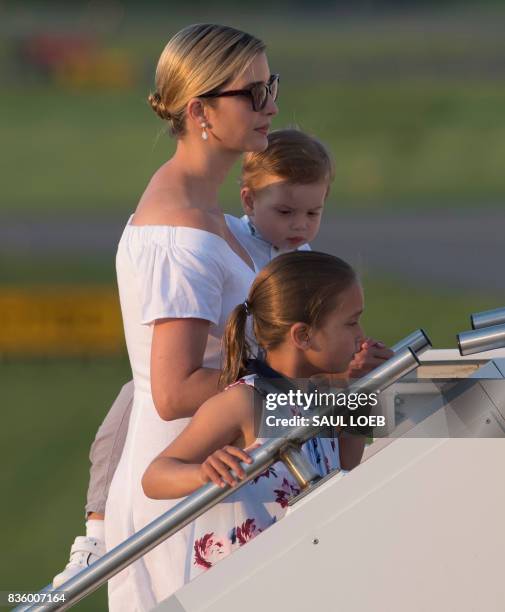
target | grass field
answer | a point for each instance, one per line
(394, 309)
(395, 145)
(51, 412)
(410, 106)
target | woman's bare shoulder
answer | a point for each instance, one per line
(166, 207)
(165, 201)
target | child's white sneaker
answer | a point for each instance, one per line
(83, 553)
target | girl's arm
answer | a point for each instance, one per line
(179, 382)
(351, 447)
(203, 451)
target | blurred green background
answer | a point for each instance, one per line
(409, 96)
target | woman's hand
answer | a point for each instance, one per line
(217, 467)
(371, 355)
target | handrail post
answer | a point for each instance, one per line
(296, 462)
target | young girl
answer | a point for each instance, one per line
(305, 308)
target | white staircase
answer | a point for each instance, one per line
(418, 526)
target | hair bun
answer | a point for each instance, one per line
(158, 106)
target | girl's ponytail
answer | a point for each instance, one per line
(236, 349)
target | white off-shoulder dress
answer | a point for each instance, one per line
(162, 271)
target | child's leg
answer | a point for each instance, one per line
(104, 455)
(106, 451)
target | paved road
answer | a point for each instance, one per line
(456, 249)
(463, 250)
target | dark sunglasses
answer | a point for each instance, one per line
(257, 93)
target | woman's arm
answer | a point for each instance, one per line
(202, 451)
(179, 382)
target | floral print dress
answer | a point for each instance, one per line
(253, 508)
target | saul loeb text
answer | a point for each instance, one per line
(297, 408)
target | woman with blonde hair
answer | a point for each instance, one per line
(180, 272)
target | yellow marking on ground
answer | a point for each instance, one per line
(60, 320)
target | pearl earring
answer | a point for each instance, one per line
(203, 125)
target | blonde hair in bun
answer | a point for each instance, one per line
(199, 59)
(157, 105)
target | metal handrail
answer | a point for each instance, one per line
(418, 341)
(93, 577)
(150, 536)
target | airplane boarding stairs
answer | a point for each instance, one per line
(418, 526)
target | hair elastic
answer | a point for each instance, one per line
(246, 306)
